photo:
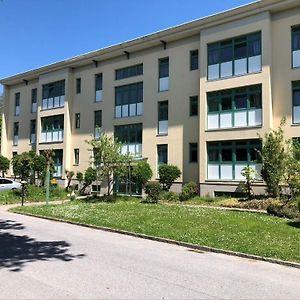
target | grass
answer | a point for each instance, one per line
(245, 232)
(34, 194)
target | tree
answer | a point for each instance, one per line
(274, 156)
(79, 177)
(90, 175)
(167, 175)
(249, 174)
(108, 159)
(69, 175)
(4, 165)
(49, 154)
(22, 165)
(141, 172)
(39, 165)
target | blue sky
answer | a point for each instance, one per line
(39, 32)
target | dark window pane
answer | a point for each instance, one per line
(240, 50)
(226, 103)
(226, 155)
(163, 111)
(194, 106)
(194, 60)
(164, 67)
(255, 100)
(226, 53)
(213, 105)
(241, 154)
(162, 154)
(241, 102)
(213, 155)
(254, 44)
(78, 85)
(193, 152)
(296, 39)
(213, 56)
(98, 82)
(296, 98)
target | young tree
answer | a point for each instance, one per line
(167, 175)
(4, 165)
(141, 172)
(79, 177)
(90, 175)
(108, 159)
(273, 155)
(22, 165)
(69, 175)
(249, 174)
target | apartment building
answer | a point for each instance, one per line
(198, 95)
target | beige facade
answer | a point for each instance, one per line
(257, 38)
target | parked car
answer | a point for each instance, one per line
(8, 184)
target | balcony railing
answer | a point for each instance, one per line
(52, 136)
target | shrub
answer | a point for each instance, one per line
(232, 202)
(152, 189)
(249, 174)
(189, 191)
(90, 175)
(282, 210)
(167, 175)
(169, 196)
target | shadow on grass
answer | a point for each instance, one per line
(295, 224)
(18, 250)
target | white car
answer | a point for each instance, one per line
(8, 184)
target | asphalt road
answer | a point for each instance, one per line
(41, 259)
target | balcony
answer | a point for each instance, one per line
(52, 129)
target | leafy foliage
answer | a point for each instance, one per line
(152, 189)
(4, 165)
(167, 175)
(142, 172)
(274, 157)
(249, 174)
(189, 191)
(22, 165)
(90, 175)
(108, 159)
(69, 175)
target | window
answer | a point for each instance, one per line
(296, 101)
(16, 134)
(17, 104)
(162, 155)
(33, 100)
(77, 120)
(194, 60)
(131, 137)
(129, 72)
(78, 85)
(236, 56)
(52, 129)
(98, 87)
(129, 100)
(240, 107)
(296, 47)
(97, 123)
(32, 131)
(193, 152)
(58, 163)
(76, 157)
(226, 160)
(194, 106)
(163, 107)
(53, 95)
(163, 66)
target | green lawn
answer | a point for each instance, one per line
(34, 194)
(257, 234)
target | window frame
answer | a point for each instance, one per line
(194, 64)
(132, 71)
(194, 100)
(193, 147)
(76, 157)
(78, 85)
(77, 120)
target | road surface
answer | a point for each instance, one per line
(41, 259)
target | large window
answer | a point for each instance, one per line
(194, 60)
(163, 117)
(32, 131)
(163, 71)
(227, 159)
(296, 102)
(58, 163)
(97, 123)
(33, 100)
(17, 104)
(98, 87)
(52, 129)
(16, 134)
(131, 138)
(240, 107)
(129, 100)
(296, 46)
(53, 95)
(129, 72)
(236, 56)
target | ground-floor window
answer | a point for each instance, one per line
(226, 159)
(127, 185)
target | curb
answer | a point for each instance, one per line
(173, 242)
